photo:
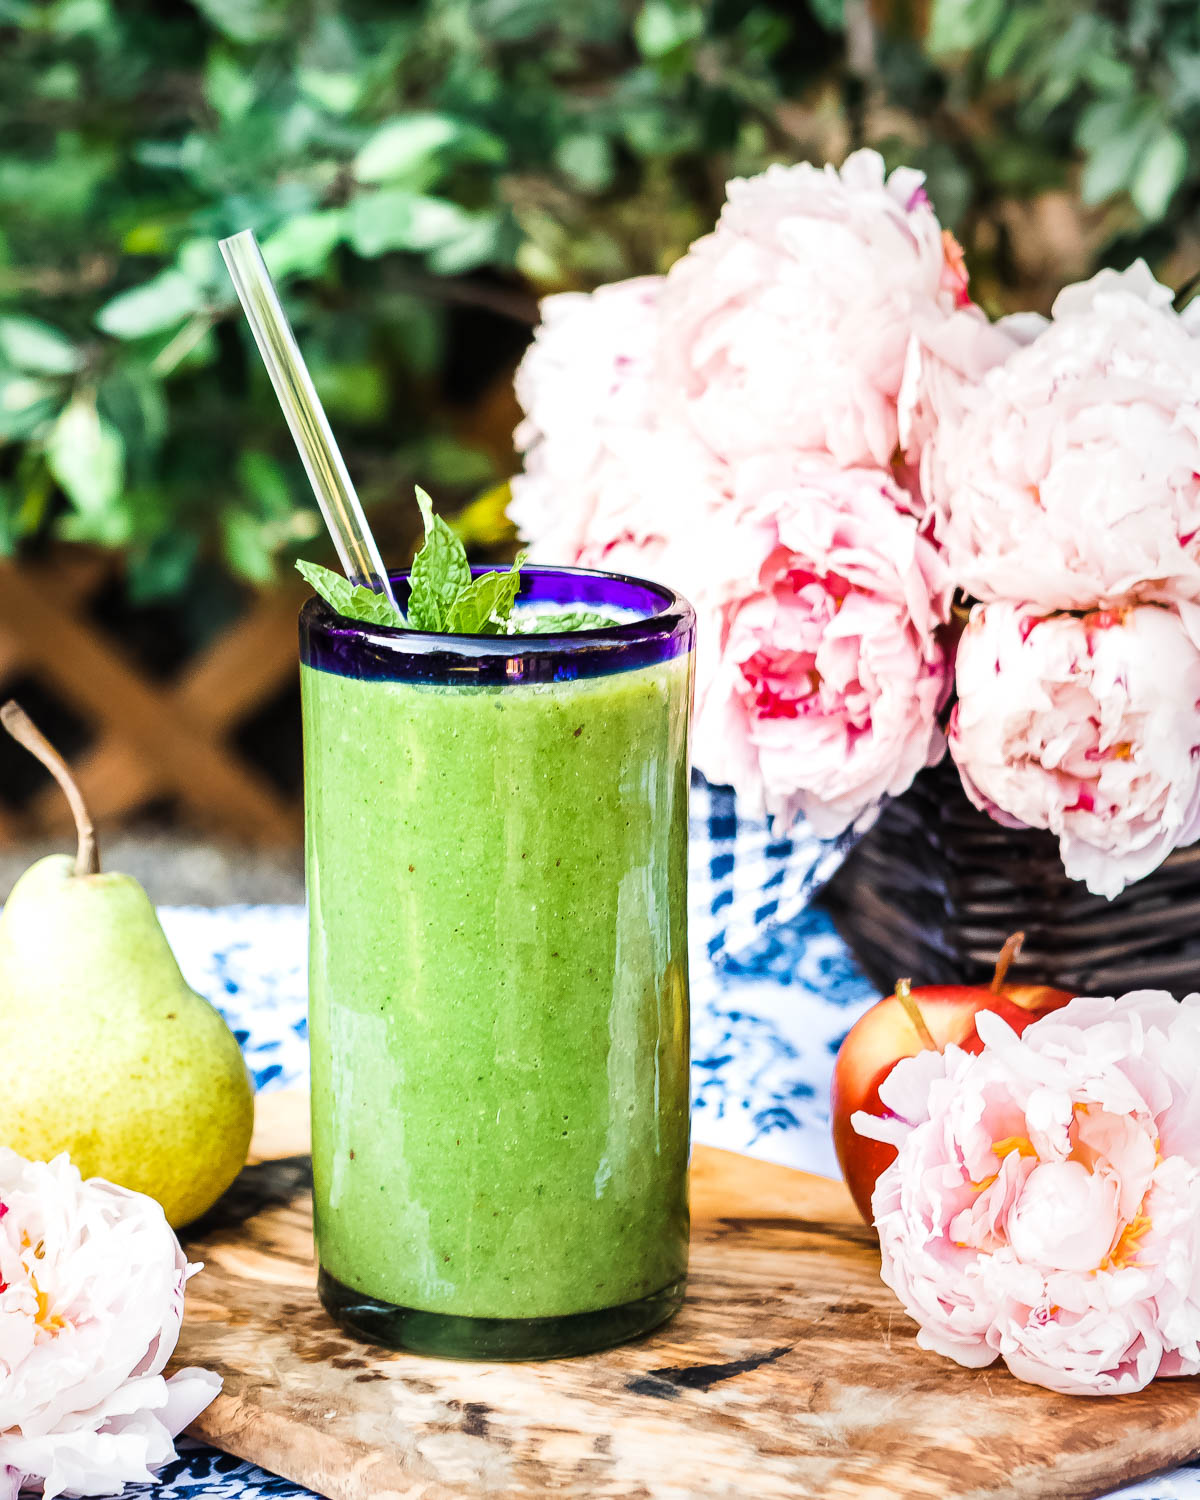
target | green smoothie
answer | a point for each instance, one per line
(499, 1002)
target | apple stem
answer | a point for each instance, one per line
(26, 733)
(1007, 954)
(913, 1011)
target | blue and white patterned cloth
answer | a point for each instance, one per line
(745, 879)
(768, 1018)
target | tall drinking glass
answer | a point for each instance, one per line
(497, 856)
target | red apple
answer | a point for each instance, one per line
(901, 1026)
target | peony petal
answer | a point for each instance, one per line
(189, 1392)
(1088, 727)
(1075, 1256)
(1069, 473)
(88, 1318)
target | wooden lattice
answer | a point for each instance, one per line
(150, 740)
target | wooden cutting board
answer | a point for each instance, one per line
(791, 1371)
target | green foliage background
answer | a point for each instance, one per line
(420, 173)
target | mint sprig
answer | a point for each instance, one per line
(350, 599)
(564, 624)
(485, 607)
(440, 573)
(443, 596)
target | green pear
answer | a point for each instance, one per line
(107, 1053)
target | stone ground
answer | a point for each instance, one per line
(182, 870)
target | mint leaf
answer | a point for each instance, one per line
(575, 619)
(440, 572)
(485, 607)
(443, 596)
(349, 599)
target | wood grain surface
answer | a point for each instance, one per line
(791, 1371)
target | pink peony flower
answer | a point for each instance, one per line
(91, 1301)
(787, 326)
(1089, 727)
(819, 670)
(607, 478)
(947, 356)
(1042, 1208)
(1072, 476)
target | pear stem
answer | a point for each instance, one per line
(26, 733)
(913, 1011)
(1007, 954)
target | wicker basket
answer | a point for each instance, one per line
(936, 886)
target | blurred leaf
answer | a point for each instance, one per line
(664, 25)
(115, 525)
(660, 132)
(379, 221)
(1159, 174)
(164, 568)
(587, 160)
(417, 330)
(539, 267)
(59, 186)
(228, 87)
(304, 244)
(1103, 120)
(356, 391)
(1145, 19)
(264, 481)
(1108, 74)
(1070, 56)
(1184, 64)
(393, 219)
(336, 92)
(132, 401)
(189, 348)
(1113, 160)
(29, 344)
(448, 463)
(959, 25)
(86, 456)
(474, 243)
(830, 13)
(1017, 32)
(163, 302)
(247, 547)
(147, 239)
(523, 20)
(74, 18)
(254, 543)
(247, 20)
(9, 534)
(61, 81)
(406, 145)
(199, 261)
(26, 404)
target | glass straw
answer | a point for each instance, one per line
(305, 415)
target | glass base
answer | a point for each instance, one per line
(450, 1337)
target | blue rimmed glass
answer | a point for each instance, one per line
(497, 857)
